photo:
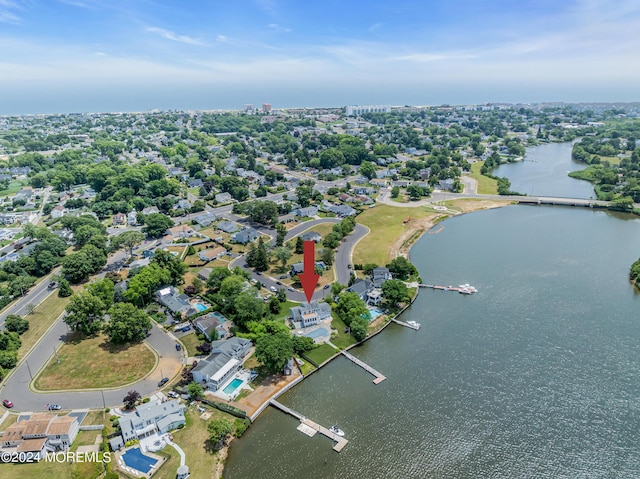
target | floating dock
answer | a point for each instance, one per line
(406, 325)
(462, 289)
(378, 376)
(310, 428)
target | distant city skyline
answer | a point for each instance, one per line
(60, 56)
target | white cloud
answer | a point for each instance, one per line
(169, 35)
(9, 12)
(278, 28)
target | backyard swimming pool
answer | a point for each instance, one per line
(200, 306)
(136, 460)
(232, 386)
(316, 333)
(374, 312)
(219, 316)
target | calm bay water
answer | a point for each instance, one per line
(536, 376)
(544, 173)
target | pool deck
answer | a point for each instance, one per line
(135, 472)
(379, 377)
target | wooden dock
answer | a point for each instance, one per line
(379, 377)
(406, 325)
(310, 428)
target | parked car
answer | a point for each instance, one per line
(284, 276)
(326, 286)
(273, 288)
(172, 394)
(53, 407)
(290, 289)
(162, 382)
(178, 347)
(186, 328)
(6, 403)
(278, 283)
(52, 285)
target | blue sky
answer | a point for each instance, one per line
(134, 55)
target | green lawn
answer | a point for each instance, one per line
(486, 185)
(41, 320)
(386, 225)
(95, 363)
(191, 341)
(286, 307)
(343, 340)
(321, 353)
(14, 187)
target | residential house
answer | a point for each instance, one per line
(311, 236)
(205, 219)
(181, 231)
(228, 226)
(132, 218)
(307, 212)
(361, 287)
(211, 322)
(197, 183)
(342, 210)
(288, 218)
(224, 361)
(58, 211)
(400, 183)
(210, 254)
(39, 434)
(176, 303)
(182, 204)
(150, 210)
(309, 314)
(245, 236)
(119, 219)
(446, 184)
(204, 273)
(152, 418)
(223, 198)
(379, 275)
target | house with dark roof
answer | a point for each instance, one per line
(379, 275)
(211, 322)
(342, 210)
(205, 219)
(223, 197)
(227, 226)
(361, 287)
(176, 303)
(197, 183)
(245, 236)
(311, 236)
(224, 361)
(307, 212)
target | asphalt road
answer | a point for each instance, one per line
(35, 295)
(17, 390)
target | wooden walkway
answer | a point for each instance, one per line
(309, 427)
(407, 325)
(378, 376)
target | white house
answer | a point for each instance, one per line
(223, 362)
(150, 418)
(309, 314)
(40, 434)
(58, 211)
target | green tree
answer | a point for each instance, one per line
(394, 291)
(127, 240)
(282, 254)
(402, 268)
(195, 390)
(395, 192)
(273, 351)
(248, 307)
(217, 276)
(281, 233)
(156, 224)
(103, 289)
(64, 290)
(15, 323)
(299, 249)
(172, 264)
(368, 169)
(219, 430)
(127, 323)
(350, 306)
(77, 267)
(85, 313)
(359, 328)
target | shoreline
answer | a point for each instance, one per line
(407, 245)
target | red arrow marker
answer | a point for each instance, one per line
(308, 278)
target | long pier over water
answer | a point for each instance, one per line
(310, 428)
(379, 377)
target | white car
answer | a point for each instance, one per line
(273, 288)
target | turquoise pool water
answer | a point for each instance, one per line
(232, 386)
(374, 312)
(200, 306)
(136, 460)
(219, 316)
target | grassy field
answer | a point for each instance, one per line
(14, 187)
(321, 353)
(286, 307)
(41, 320)
(486, 185)
(386, 225)
(343, 340)
(95, 363)
(191, 341)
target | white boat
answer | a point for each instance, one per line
(414, 324)
(467, 289)
(336, 430)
